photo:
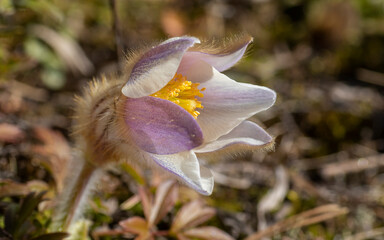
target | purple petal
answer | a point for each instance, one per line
(226, 102)
(160, 126)
(220, 62)
(247, 133)
(186, 167)
(157, 67)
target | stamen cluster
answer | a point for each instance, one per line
(182, 92)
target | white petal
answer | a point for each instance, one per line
(247, 132)
(220, 62)
(226, 102)
(157, 67)
(186, 167)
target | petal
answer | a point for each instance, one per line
(186, 167)
(226, 102)
(220, 61)
(160, 126)
(157, 67)
(247, 132)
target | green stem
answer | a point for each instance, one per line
(81, 178)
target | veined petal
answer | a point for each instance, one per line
(226, 102)
(157, 67)
(160, 126)
(220, 61)
(247, 132)
(186, 167)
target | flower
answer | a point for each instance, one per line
(178, 105)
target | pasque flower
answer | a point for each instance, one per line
(177, 104)
(170, 106)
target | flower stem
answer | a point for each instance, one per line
(82, 176)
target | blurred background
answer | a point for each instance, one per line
(325, 60)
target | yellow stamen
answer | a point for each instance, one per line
(183, 93)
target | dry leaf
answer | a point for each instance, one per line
(137, 225)
(10, 133)
(191, 215)
(11, 102)
(56, 153)
(165, 198)
(207, 233)
(11, 188)
(130, 202)
(146, 201)
(105, 231)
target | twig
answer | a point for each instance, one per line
(116, 30)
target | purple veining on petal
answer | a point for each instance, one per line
(161, 127)
(157, 67)
(220, 62)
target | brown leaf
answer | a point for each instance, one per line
(173, 23)
(146, 201)
(104, 231)
(165, 198)
(10, 133)
(191, 215)
(137, 225)
(130, 202)
(12, 188)
(207, 233)
(11, 102)
(56, 153)
(181, 236)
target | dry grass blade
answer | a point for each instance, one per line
(27, 91)
(70, 51)
(374, 233)
(274, 197)
(306, 186)
(356, 165)
(309, 217)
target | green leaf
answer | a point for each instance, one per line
(10, 218)
(29, 204)
(42, 53)
(52, 236)
(53, 78)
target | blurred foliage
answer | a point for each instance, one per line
(24, 222)
(324, 59)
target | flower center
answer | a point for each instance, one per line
(183, 93)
